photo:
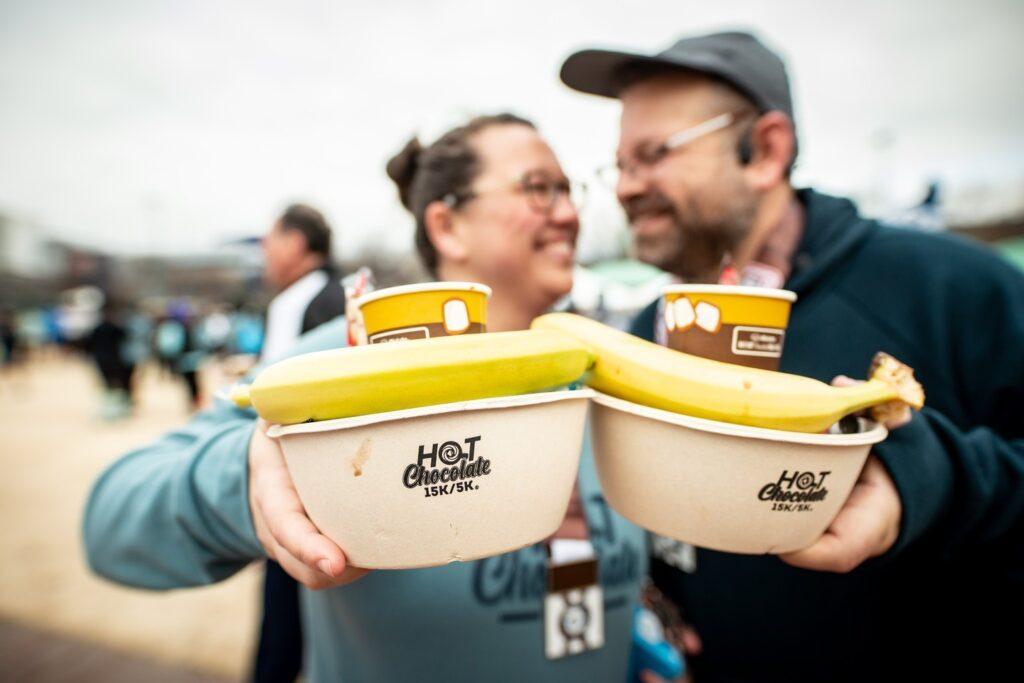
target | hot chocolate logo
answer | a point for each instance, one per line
(795, 492)
(447, 468)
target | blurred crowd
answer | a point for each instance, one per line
(176, 334)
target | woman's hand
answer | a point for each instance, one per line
(287, 534)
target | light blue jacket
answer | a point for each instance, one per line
(175, 513)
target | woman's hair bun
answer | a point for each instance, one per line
(402, 169)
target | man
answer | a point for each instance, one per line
(921, 572)
(297, 252)
(106, 346)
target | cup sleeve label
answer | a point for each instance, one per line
(757, 341)
(420, 332)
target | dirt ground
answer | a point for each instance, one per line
(53, 447)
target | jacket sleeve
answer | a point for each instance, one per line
(958, 488)
(961, 480)
(175, 513)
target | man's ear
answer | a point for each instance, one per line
(443, 233)
(772, 142)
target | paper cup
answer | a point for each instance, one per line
(445, 483)
(434, 309)
(741, 325)
(723, 486)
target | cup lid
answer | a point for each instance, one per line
(766, 292)
(423, 287)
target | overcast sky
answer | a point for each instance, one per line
(167, 126)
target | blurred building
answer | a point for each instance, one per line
(32, 265)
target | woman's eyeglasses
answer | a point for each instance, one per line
(541, 192)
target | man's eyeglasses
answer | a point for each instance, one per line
(649, 157)
(541, 192)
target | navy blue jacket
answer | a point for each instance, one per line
(948, 597)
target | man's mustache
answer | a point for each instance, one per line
(648, 203)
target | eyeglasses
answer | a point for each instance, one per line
(647, 159)
(540, 190)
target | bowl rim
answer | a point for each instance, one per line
(400, 290)
(537, 398)
(874, 433)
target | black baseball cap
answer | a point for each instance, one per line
(735, 57)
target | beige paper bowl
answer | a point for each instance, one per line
(723, 486)
(515, 460)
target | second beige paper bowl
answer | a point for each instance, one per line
(445, 483)
(723, 486)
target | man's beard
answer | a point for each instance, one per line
(703, 237)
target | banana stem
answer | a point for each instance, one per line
(240, 395)
(865, 395)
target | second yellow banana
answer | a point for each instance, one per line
(637, 370)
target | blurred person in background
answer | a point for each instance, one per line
(78, 312)
(175, 345)
(106, 344)
(491, 205)
(298, 265)
(920, 575)
(169, 341)
(8, 338)
(246, 332)
(214, 330)
(51, 327)
(191, 359)
(22, 339)
(243, 343)
(136, 349)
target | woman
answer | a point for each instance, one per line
(491, 205)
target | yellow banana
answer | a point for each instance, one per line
(637, 370)
(412, 373)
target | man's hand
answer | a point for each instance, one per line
(866, 526)
(287, 534)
